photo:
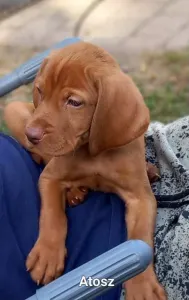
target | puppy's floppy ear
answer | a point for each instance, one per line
(120, 116)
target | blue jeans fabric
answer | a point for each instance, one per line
(93, 227)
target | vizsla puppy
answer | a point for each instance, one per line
(87, 123)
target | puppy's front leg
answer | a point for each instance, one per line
(46, 260)
(140, 219)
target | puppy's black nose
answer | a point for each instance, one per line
(34, 134)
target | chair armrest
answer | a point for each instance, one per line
(27, 72)
(120, 263)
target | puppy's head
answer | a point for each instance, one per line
(81, 96)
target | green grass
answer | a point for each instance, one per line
(166, 103)
(164, 82)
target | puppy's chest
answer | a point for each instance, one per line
(96, 181)
(96, 174)
(100, 182)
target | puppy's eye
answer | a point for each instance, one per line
(73, 102)
(39, 90)
(40, 94)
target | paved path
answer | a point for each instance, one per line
(121, 26)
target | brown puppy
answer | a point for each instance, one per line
(88, 123)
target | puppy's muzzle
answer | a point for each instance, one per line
(34, 134)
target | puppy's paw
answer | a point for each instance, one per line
(76, 196)
(46, 260)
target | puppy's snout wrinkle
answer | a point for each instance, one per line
(34, 135)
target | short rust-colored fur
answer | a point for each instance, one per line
(98, 144)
